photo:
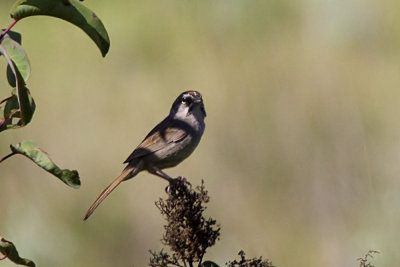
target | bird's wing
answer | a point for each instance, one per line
(156, 140)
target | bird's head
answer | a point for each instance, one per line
(188, 103)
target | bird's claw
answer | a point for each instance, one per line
(173, 182)
(180, 178)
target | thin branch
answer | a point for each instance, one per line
(8, 28)
(201, 260)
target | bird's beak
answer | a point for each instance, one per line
(195, 102)
(198, 102)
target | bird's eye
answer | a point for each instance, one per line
(187, 100)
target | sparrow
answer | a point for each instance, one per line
(168, 144)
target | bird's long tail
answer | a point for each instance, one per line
(127, 173)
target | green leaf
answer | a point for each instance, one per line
(20, 105)
(8, 249)
(10, 115)
(209, 264)
(17, 55)
(40, 157)
(70, 10)
(16, 36)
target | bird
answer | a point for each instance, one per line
(166, 145)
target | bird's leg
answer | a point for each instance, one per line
(172, 181)
(157, 171)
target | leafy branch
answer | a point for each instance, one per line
(17, 110)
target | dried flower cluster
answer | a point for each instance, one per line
(364, 260)
(255, 262)
(187, 232)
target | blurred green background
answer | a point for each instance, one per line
(301, 151)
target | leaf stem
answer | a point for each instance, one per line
(8, 28)
(6, 157)
(4, 100)
(3, 121)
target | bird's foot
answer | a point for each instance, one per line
(180, 179)
(174, 182)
